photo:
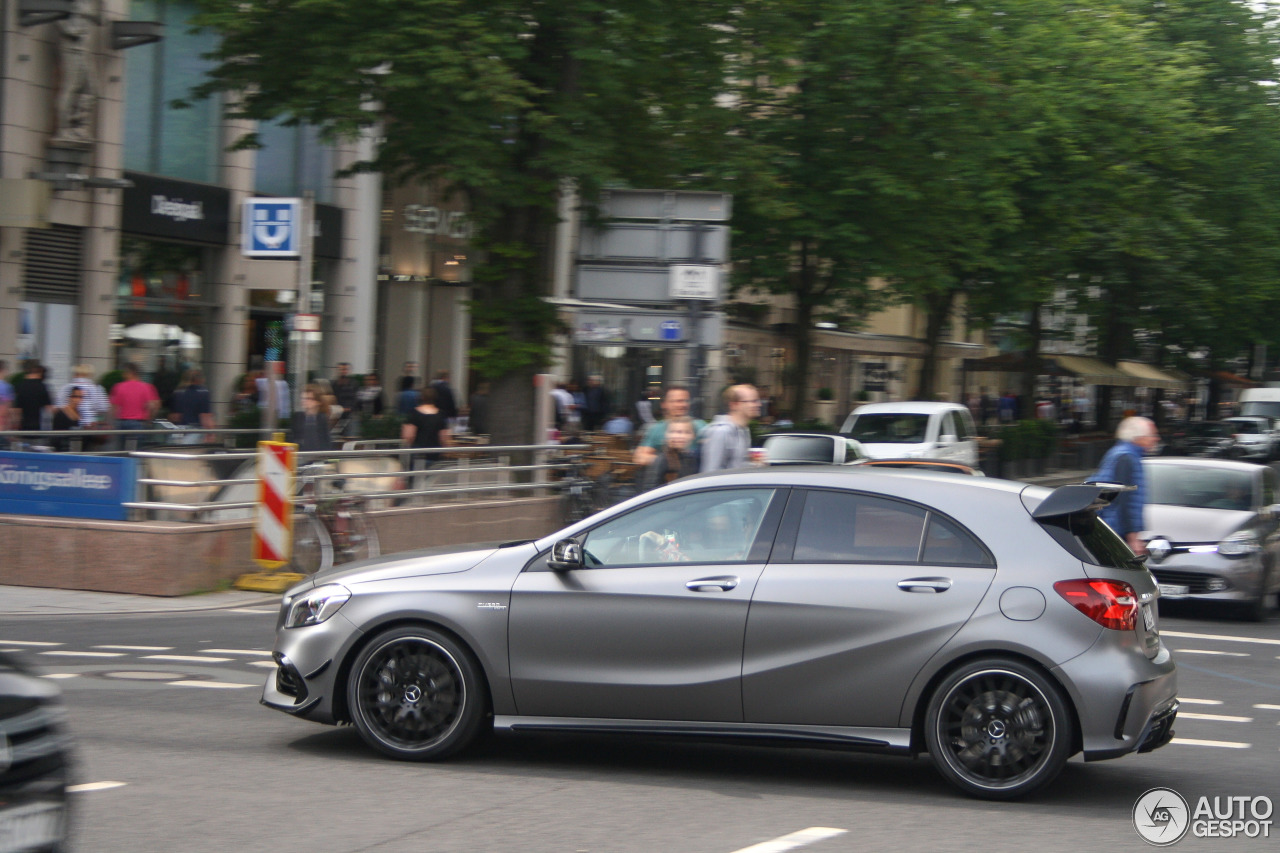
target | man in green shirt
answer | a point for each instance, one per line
(675, 404)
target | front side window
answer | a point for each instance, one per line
(719, 526)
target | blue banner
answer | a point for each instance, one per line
(67, 485)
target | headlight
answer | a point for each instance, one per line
(312, 608)
(1238, 544)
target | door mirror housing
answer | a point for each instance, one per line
(566, 555)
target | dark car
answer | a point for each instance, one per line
(1213, 439)
(34, 761)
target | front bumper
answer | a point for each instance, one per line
(306, 678)
(1208, 576)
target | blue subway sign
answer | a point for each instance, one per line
(272, 228)
(67, 486)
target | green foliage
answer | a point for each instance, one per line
(826, 394)
(506, 340)
(110, 379)
(381, 426)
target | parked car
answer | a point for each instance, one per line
(934, 430)
(799, 448)
(34, 760)
(934, 466)
(1253, 438)
(1212, 531)
(997, 626)
(1208, 438)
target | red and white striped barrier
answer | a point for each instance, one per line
(273, 525)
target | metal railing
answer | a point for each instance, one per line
(408, 477)
(121, 441)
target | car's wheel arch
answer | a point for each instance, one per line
(921, 705)
(342, 712)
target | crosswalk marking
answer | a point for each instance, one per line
(66, 653)
(187, 658)
(1227, 637)
(1210, 652)
(794, 840)
(1221, 718)
(267, 664)
(236, 651)
(137, 648)
(60, 675)
(1224, 744)
(94, 786)
(26, 643)
(1267, 707)
(216, 685)
(252, 610)
(1185, 701)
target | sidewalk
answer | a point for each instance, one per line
(37, 601)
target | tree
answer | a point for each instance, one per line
(506, 103)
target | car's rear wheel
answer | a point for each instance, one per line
(416, 694)
(998, 729)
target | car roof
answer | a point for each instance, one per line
(1254, 418)
(1200, 462)
(911, 407)
(845, 477)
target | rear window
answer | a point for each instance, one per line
(1089, 539)
(800, 448)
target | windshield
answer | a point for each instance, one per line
(890, 428)
(1261, 409)
(1206, 488)
(1209, 430)
(1245, 427)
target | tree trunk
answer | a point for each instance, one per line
(803, 332)
(1035, 334)
(937, 312)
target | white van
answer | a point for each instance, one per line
(915, 429)
(1261, 403)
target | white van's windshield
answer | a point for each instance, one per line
(890, 428)
(1261, 408)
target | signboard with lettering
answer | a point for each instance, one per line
(180, 210)
(875, 376)
(271, 228)
(695, 281)
(646, 328)
(66, 485)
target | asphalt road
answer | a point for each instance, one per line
(176, 754)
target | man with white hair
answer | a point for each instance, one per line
(1123, 464)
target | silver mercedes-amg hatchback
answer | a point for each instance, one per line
(1001, 628)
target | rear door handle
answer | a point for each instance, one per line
(925, 585)
(723, 584)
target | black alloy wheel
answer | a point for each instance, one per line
(415, 694)
(998, 729)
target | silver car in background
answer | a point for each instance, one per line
(1212, 531)
(999, 627)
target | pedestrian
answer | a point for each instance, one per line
(674, 460)
(619, 424)
(369, 397)
(31, 397)
(310, 429)
(563, 402)
(134, 401)
(67, 416)
(1122, 464)
(1007, 408)
(410, 371)
(726, 442)
(6, 402)
(676, 401)
(283, 407)
(246, 399)
(344, 392)
(94, 404)
(644, 408)
(595, 403)
(408, 397)
(479, 421)
(425, 427)
(445, 401)
(193, 405)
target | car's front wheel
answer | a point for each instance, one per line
(998, 729)
(416, 694)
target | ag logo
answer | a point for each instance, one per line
(1161, 816)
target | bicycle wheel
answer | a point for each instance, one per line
(312, 548)
(354, 537)
(575, 503)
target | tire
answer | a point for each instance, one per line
(416, 695)
(998, 729)
(312, 548)
(360, 541)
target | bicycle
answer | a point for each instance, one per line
(580, 497)
(328, 530)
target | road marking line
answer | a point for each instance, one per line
(1267, 707)
(1200, 701)
(252, 610)
(1221, 718)
(27, 643)
(236, 651)
(186, 658)
(70, 654)
(137, 648)
(1209, 652)
(1226, 637)
(268, 664)
(94, 786)
(60, 675)
(216, 685)
(1225, 744)
(794, 840)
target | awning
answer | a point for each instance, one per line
(1094, 372)
(1231, 379)
(1151, 376)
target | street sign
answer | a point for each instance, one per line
(272, 228)
(306, 322)
(593, 327)
(695, 281)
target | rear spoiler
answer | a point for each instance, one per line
(1078, 498)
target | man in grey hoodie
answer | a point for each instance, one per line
(726, 442)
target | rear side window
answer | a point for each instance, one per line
(949, 544)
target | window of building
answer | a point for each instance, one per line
(293, 160)
(158, 138)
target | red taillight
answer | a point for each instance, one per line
(1112, 604)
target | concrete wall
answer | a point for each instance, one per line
(176, 558)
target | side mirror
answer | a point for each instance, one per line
(948, 439)
(566, 555)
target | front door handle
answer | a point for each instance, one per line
(723, 584)
(925, 585)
